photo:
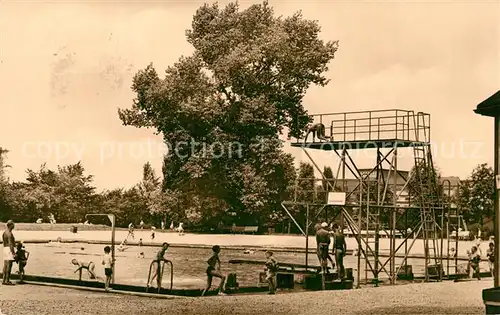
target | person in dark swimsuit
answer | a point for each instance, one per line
(339, 250)
(89, 266)
(474, 260)
(9, 252)
(271, 269)
(490, 253)
(160, 256)
(22, 256)
(323, 244)
(213, 270)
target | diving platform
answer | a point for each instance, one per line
(363, 144)
(392, 128)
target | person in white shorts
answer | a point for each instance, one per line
(9, 252)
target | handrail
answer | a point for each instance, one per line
(162, 270)
(353, 119)
(88, 267)
(402, 125)
(365, 112)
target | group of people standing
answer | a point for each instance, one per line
(475, 254)
(214, 270)
(131, 228)
(324, 236)
(12, 252)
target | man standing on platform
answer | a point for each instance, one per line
(8, 252)
(339, 250)
(323, 244)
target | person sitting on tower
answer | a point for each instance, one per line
(339, 250)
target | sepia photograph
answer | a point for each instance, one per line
(242, 157)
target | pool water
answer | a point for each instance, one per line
(54, 259)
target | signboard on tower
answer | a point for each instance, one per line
(336, 198)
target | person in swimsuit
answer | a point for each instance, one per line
(130, 231)
(157, 265)
(490, 253)
(108, 263)
(213, 270)
(9, 252)
(339, 250)
(271, 269)
(89, 266)
(474, 260)
(153, 232)
(180, 229)
(22, 256)
(322, 246)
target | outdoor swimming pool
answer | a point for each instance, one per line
(54, 259)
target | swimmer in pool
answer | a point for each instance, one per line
(89, 266)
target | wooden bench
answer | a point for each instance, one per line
(244, 229)
(251, 229)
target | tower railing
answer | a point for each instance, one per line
(374, 125)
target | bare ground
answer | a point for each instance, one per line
(424, 298)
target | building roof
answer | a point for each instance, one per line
(490, 106)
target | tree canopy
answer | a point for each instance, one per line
(222, 109)
(477, 194)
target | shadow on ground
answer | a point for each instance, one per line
(414, 310)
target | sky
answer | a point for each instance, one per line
(66, 67)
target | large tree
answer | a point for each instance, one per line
(477, 194)
(222, 109)
(128, 205)
(68, 193)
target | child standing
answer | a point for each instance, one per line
(153, 232)
(180, 229)
(130, 230)
(474, 259)
(490, 253)
(21, 259)
(107, 261)
(213, 270)
(271, 269)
